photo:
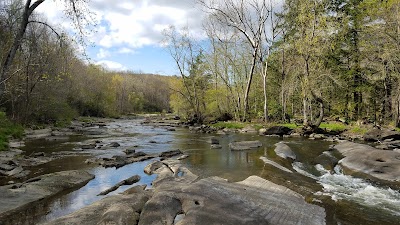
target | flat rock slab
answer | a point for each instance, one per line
(284, 151)
(118, 209)
(244, 145)
(18, 197)
(381, 165)
(216, 201)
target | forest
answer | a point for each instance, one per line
(308, 60)
(265, 60)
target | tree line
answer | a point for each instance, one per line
(48, 81)
(305, 59)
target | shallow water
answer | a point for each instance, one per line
(347, 200)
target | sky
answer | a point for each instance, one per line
(128, 35)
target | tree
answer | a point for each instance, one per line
(190, 63)
(248, 18)
(307, 33)
(74, 9)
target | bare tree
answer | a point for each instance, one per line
(76, 10)
(249, 18)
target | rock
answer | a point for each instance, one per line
(379, 165)
(391, 144)
(327, 160)
(244, 145)
(37, 134)
(182, 157)
(215, 201)
(114, 145)
(15, 171)
(203, 129)
(248, 129)
(173, 171)
(16, 144)
(129, 151)
(150, 168)
(284, 151)
(216, 146)
(272, 163)
(214, 141)
(88, 146)
(277, 130)
(317, 136)
(381, 134)
(117, 209)
(262, 131)
(38, 154)
(18, 198)
(169, 154)
(171, 129)
(128, 181)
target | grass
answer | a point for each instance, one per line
(8, 129)
(230, 125)
(339, 127)
(358, 130)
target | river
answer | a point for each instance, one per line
(347, 200)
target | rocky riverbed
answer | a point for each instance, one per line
(257, 176)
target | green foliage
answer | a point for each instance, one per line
(358, 130)
(332, 126)
(8, 129)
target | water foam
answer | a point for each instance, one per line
(340, 186)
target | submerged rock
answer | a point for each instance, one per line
(128, 181)
(272, 163)
(284, 151)
(380, 165)
(244, 145)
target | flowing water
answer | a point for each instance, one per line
(347, 200)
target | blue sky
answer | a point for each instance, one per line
(129, 32)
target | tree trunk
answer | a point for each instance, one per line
(265, 92)
(28, 9)
(250, 78)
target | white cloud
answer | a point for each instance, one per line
(111, 65)
(125, 50)
(103, 54)
(132, 24)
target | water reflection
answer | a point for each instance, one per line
(104, 178)
(231, 165)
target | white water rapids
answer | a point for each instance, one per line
(339, 186)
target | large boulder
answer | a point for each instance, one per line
(277, 130)
(380, 165)
(381, 134)
(284, 151)
(216, 201)
(244, 145)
